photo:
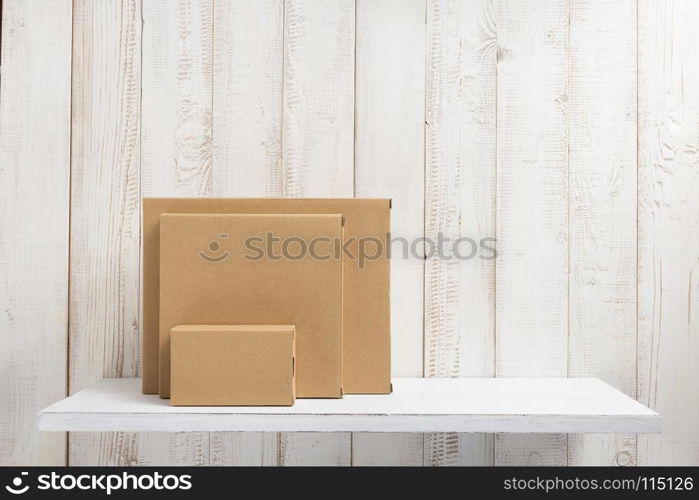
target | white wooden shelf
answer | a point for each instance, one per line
(416, 405)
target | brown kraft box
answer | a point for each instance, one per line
(367, 345)
(212, 273)
(232, 365)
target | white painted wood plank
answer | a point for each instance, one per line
(105, 231)
(318, 98)
(177, 86)
(112, 449)
(461, 450)
(247, 127)
(387, 449)
(244, 448)
(389, 153)
(34, 210)
(315, 448)
(317, 145)
(668, 134)
(160, 449)
(389, 163)
(531, 451)
(603, 211)
(176, 144)
(519, 397)
(460, 203)
(340, 428)
(247, 98)
(416, 405)
(532, 196)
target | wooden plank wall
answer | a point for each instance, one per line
(460, 202)
(668, 227)
(602, 211)
(531, 299)
(105, 210)
(390, 120)
(317, 147)
(34, 224)
(567, 129)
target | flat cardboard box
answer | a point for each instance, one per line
(209, 274)
(232, 365)
(367, 343)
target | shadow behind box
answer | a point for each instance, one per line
(366, 305)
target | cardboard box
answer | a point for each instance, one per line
(227, 365)
(367, 344)
(211, 272)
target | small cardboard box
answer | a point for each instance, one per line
(367, 341)
(228, 269)
(232, 365)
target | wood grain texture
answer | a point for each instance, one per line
(389, 153)
(161, 449)
(318, 98)
(532, 206)
(247, 128)
(247, 98)
(34, 198)
(177, 98)
(668, 316)
(389, 163)
(460, 204)
(315, 448)
(105, 231)
(120, 449)
(317, 147)
(176, 146)
(244, 448)
(394, 449)
(602, 216)
(528, 450)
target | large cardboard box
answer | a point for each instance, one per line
(232, 365)
(226, 269)
(367, 344)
